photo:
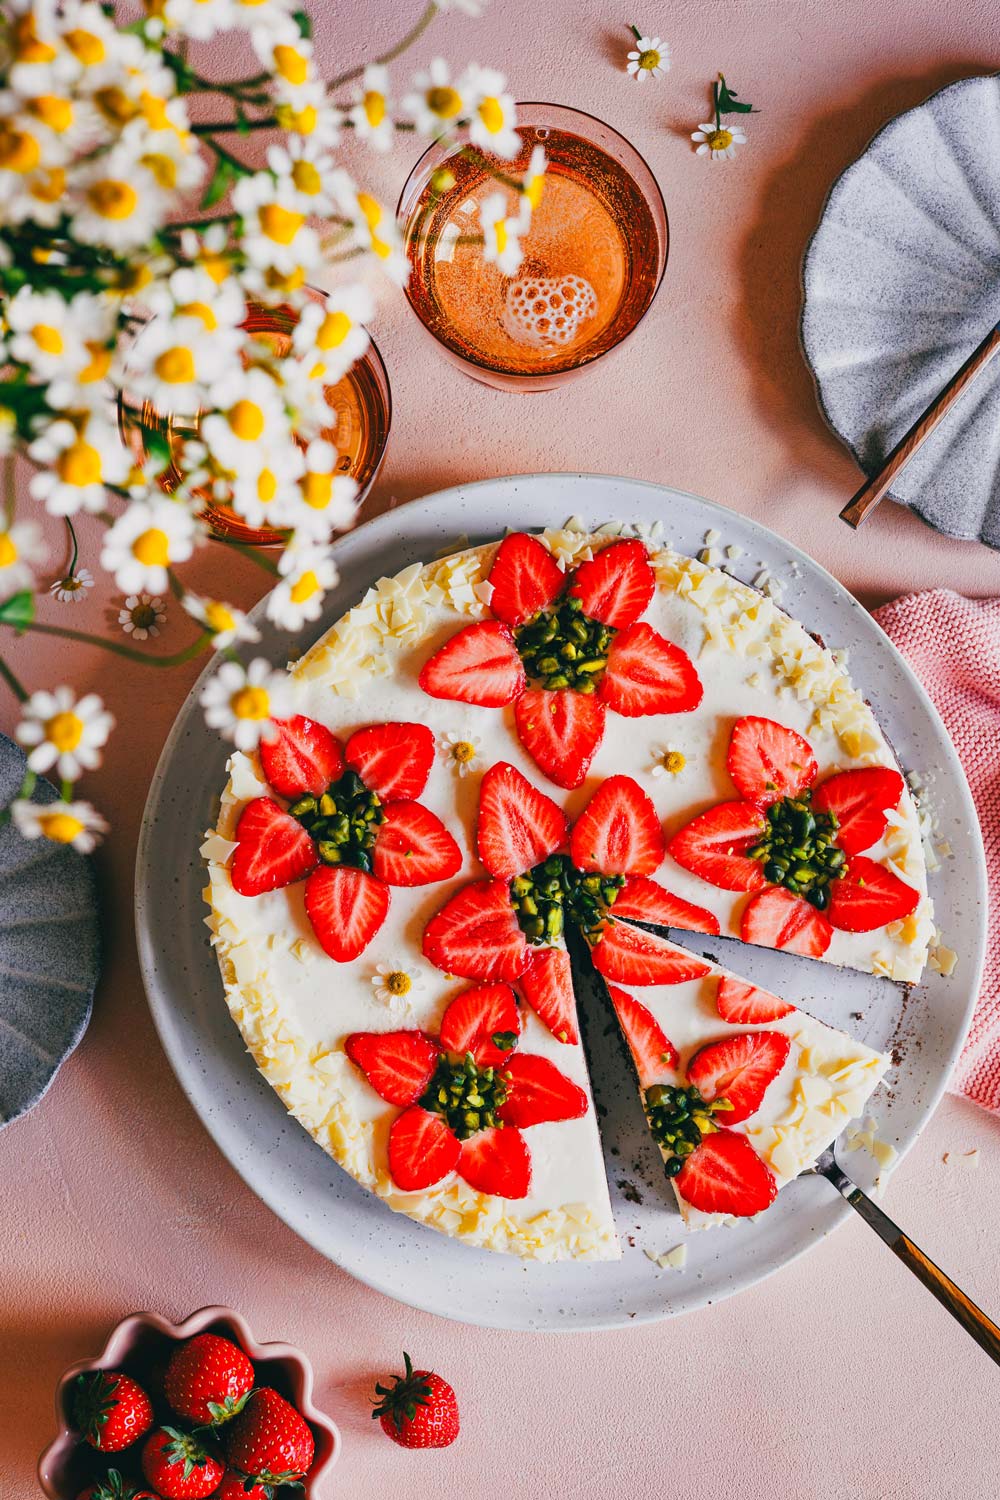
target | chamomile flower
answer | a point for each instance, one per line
(263, 16)
(77, 824)
(493, 114)
(334, 330)
(80, 461)
(37, 198)
(303, 169)
(650, 58)
(330, 500)
(175, 361)
(227, 623)
(288, 57)
(310, 115)
(718, 141)
(50, 334)
(240, 702)
(379, 231)
(268, 493)
(89, 387)
(23, 154)
(275, 232)
(194, 292)
(434, 104)
(22, 550)
(208, 250)
(309, 571)
(198, 19)
(461, 752)
(147, 539)
(142, 616)
(533, 183)
(250, 414)
(371, 113)
(61, 731)
(72, 589)
(668, 760)
(101, 55)
(501, 234)
(118, 204)
(395, 984)
(170, 151)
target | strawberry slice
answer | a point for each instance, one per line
(478, 665)
(740, 1069)
(647, 674)
(393, 760)
(618, 832)
(726, 1176)
(860, 799)
(475, 1017)
(346, 908)
(413, 847)
(518, 825)
(768, 761)
(539, 1094)
(777, 919)
(302, 757)
(653, 1054)
(868, 896)
(272, 849)
(743, 1004)
(714, 844)
(525, 578)
(547, 985)
(422, 1149)
(475, 934)
(497, 1162)
(398, 1064)
(628, 955)
(561, 731)
(645, 900)
(616, 585)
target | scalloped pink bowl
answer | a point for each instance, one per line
(66, 1466)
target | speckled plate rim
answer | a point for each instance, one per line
(367, 540)
(807, 270)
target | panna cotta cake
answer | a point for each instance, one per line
(568, 733)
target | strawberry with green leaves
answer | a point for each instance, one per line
(179, 1466)
(564, 649)
(114, 1487)
(269, 1441)
(110, 1410)
(208, 1379)
(418, 1410)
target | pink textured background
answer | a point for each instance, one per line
(839, 1378)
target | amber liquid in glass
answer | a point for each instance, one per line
(591, 262)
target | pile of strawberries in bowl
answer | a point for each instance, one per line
(188, 1413)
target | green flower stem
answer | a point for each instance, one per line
(254, 555)
(408, 40)
(75, 545)
(239, 167)
(199, 224)
(13, 682)
(636, 33)
(9, 492)
(470, 153)
(715, 101)
(176, 660)
(235, 127)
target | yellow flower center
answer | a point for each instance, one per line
(534, 190)
(502, 236)
(115, 105)
(50, 186)
(292, 66)
(175, 366)
(673, 761)
(398, 982)
(60, 827)
(267, 486)
(98, 366)
(333, 330)
(371, 208)
(25, 42)
(444, 102)
(290, 281)
(48, 339)
(492, 115)
(65, 731)
(463, 751)
(85, 47)
(251, 703)
(649, 59)
(163, 168)
(215, 266)
(304, 588)
(8, 549)
(374, 108)
(306, 178)
(154, 112)
(19, 151)
(317, 490)
(720, 140)
(297, 121)
(113, 199)
(53, 111)
(247, 420)
(202, 312)
(152, 548)
(218, 618)
(280, 224)
(79, 465)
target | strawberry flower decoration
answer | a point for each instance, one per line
(579, 638)
(512, 926)
(467, 1096)
(351, 829)
(797, 846)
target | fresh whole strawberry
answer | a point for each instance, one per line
(110, 1410)
(179, 1466)
(236, 1486)
(114, 1487)
(269, 1440)
(418, 1410)
(208, 1379)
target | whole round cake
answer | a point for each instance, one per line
(531, 759)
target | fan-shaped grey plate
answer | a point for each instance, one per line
(49, 950)
(902, 281)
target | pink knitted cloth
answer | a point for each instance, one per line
(953, 645)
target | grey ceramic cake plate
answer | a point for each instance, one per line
(49, 950)
(301, 1184)
(902, 281)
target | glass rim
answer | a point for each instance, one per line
(590, 359)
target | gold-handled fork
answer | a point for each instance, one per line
(961, 1307)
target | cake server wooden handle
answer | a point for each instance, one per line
(961, 1307)
(874, 489)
